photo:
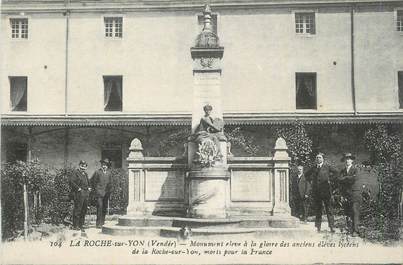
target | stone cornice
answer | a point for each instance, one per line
(102, 120)
(48, 6)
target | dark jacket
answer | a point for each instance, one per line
(101, 182)
(300, 186)
(304, 186)
(349, 184)
(79, 180)
(321, 179)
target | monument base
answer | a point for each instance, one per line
(208, 192)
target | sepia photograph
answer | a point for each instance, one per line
(201, 131)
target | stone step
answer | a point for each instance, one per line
(174, 232)
(245, 222)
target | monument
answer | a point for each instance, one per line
(207, 156)
(206, 188)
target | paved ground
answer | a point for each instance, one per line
(72, 247)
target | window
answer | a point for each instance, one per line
(113, 27)
(200, 20)
(399, 20)
(113, 93)
(16, 152)
(114, 154)
(18, 93)
(400, 84)
(305, 23)
(305, 90)
(19, 28)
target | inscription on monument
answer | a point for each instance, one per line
(164, 185)
(251, 185)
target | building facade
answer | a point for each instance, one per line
(81, 79)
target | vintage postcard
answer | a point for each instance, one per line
(201, 132)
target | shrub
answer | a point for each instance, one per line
(237, 138)
(298, 142)
(176, 140)
(385, 147)
(38, 180)
(59, 209)
(119, 196)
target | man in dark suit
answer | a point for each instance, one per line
(80, 190)
(301, 189)
(101, 183)
(320, 176)
(351, 193)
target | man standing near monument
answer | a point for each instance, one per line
(351, 192)
(101, 183)
(80, 189)
(320, 176)
(301, 189)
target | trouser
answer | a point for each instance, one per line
(80, 208)
(102, 205)
(301, 207)
(352, 212)
(319, 202)
(304, 209)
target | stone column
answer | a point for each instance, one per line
(281, 179)
(136, 179)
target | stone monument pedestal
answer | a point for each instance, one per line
(207, 192)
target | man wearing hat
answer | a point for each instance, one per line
(80, 190)
(320, 176)
(351, 193)
(101, 184)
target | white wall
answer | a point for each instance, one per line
(262, 54)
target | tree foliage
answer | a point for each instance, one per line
(239, 139)
(298, 142)
(385, 147)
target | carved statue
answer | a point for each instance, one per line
(208, 135)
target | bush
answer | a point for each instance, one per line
(237, 138)
(298, 142)
(175, 141)
(119, 196)
(52, 191)
(38, 180)
(385, 147)
(59, 209)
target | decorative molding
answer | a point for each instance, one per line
(96, 120)
(57, 6)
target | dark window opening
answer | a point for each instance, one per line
(18, 93)
(114, 155)
(16, 152)
(400, 84)
(113, 93)
(305, 90)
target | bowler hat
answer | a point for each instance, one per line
(105, 161)
(82, 163)
(347, 155)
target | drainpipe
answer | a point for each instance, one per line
(67, 14)
(66, 82)
(352, 9)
